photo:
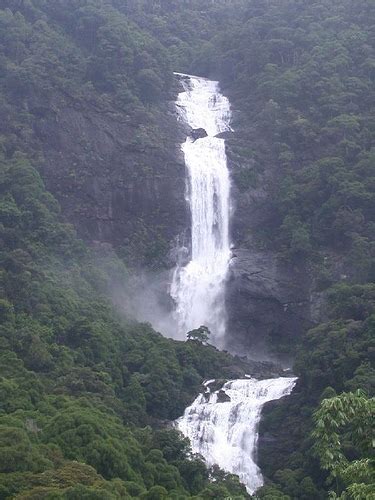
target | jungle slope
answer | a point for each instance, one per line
(85, 95)
(301, 75)
(82, 389)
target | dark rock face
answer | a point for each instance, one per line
(268, 300)
(121, 181)
(222, 396)
(198, 133)
(265, 299)
(118, 180)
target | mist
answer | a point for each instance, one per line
(145, 298)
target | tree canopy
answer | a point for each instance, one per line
(83, 391)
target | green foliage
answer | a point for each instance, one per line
(335, 357)
(355, 302)
(201, 334)
(76, 381)
(333, 352)
(58, 59)
(349, 418)
(79, 387)
(302, 75)
(89, 45)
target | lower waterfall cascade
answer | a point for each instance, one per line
(198, 287)
(225, 431)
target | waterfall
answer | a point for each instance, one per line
(198, 287)
(225, 433)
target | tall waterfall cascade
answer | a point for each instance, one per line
(225, 431)
(198, 287)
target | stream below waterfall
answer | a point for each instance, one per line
(224, 432)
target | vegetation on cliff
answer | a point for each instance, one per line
(302, 74)
(84, 393)
(81, 389)
(83, 95)
(79, 386)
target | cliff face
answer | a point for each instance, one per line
(268, 298)
(119, 180)
(268, 302)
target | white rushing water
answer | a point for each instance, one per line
(198, 288)
(226, 433)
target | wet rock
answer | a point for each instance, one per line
(268, 299)
(222, 397)
(198, 133)
(265, 298)
(116, 180)
(224, 135)
(215, 385)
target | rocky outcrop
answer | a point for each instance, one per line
(267, 301)
(119, 179)
(222, 397)
(198, 133)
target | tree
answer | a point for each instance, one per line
(347, 417)
(156, 493)
(200, 334)
(150, 85)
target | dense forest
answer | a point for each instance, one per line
(79, 386)
(86, 394)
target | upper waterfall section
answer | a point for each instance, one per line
(198, 288)
(203, 106)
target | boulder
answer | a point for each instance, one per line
(222, 397)
(198, 133)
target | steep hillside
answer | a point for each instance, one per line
(83, 100)
(80, 386)
(301, 79)
(88, 135)
(84, 94)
